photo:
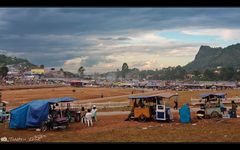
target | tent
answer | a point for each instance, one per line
(185, 114)
(32, 114)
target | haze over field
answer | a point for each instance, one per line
(101, 39)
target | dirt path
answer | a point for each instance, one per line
(112, 113)
(116, 97)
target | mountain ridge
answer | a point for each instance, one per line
(212, 57)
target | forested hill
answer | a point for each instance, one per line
(7, 60)
(208, 57)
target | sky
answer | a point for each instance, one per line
(102, 39)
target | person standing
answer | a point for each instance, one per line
(89, 118)
(176, 102)
(222, 108)
(234, 109)
(82, 115)
(94, 113)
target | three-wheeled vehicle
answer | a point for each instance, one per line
(154, 107)
(38, 113)
(211, 106)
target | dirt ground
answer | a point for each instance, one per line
(18, 97)
(116, 129)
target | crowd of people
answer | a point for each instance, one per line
(88, 116)
(83, 116)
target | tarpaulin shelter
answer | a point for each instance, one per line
(32, 114)
(185, 114)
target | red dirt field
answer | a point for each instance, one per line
(116, 129)
(18, 97)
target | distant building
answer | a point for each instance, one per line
(37, 71)
(13, 70)
(76, 83)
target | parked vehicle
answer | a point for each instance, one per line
(211, 107)
(155, 107)
(38, 113)
(55, 122)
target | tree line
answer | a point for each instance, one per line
(179, 73)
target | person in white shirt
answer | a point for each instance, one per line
(94, 113)
(88, 117)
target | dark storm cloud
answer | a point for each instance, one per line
(101, 20)
(123, 38)
(111, 38)
(52, 35)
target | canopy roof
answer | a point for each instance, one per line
(32, 114)
(220, 95)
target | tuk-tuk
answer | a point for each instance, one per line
(154, 107)
(38, 113)
(211, 107)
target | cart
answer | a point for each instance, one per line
(211, 107)
(154, 107)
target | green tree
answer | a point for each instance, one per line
(118, 74)
(125, 70)
(3, 71)
(227, 74)
(237, 75)
(81, 71)
(209, 75)
(42, 66)
(178, 73)
(196, 73)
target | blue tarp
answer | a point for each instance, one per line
(221, 95)
(32, 114)
(185, 114)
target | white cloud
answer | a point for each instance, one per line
(74, 61)
(223, 33)
(144, 51)
(182, 52)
